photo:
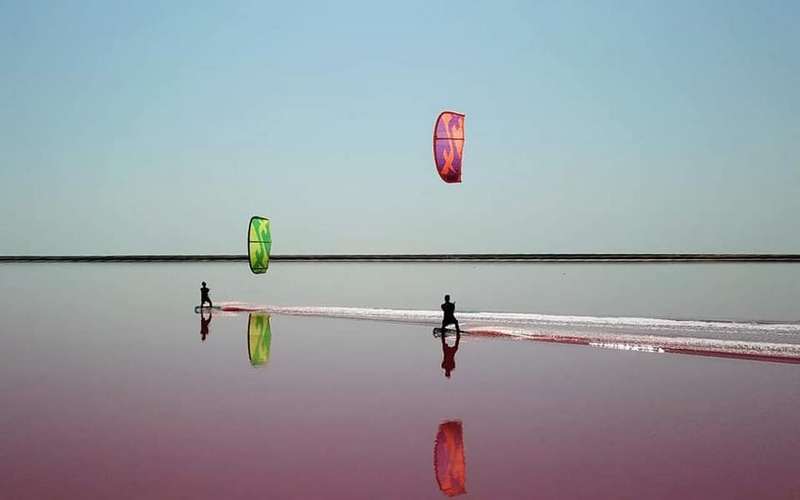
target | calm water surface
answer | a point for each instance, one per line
(107, 389)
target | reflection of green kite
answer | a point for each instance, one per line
(259, 336)
(259, 244)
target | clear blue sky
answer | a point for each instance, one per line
(138, 127)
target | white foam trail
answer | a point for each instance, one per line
(771, 340)
(628, 347)
(435, 317)
(658, 342)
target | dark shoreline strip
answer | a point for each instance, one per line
(473, 257)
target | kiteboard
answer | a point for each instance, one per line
(447, 332)
(197, 309)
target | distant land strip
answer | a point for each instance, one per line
(436, 257)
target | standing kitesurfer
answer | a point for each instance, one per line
(204, 296)
(449, 309)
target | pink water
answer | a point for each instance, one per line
(104, 399)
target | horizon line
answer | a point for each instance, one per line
(436, 257)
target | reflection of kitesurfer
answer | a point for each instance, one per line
(449, 309)
(204, 325)
(204, 296)
(449, 354)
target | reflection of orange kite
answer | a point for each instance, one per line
(448, 459)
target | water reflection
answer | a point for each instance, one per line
(204, 323)
(259, 337)
(448, 352)
(449, 464)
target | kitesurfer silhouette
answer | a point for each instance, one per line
(449, 354)
(204, 323)
(204, 296)
(449, 309)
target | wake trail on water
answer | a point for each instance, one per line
(769, 340)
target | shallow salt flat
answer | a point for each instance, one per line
(107, 385)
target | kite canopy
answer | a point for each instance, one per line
(259, 244)
(448, 145)
(448, 459)
(259, 337)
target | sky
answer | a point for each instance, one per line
(161, 127)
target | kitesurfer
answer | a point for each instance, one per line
(449, 309)
(204, 296)
(449, 354)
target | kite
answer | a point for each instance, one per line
(448, 145)
(259, 244)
